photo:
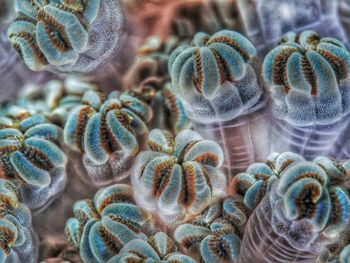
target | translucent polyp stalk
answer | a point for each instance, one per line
(38, 199)
(262, 241)
(222, 93)
(244, 139)
(115, 170)
(60, 209)
(308, 141)
(341, 147)
(344, 154)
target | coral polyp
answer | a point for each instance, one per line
(218, 81)
(55, 98)
(149, 80)
(217, 231)
(265, 21)
(152, 61)
(308, 77)
(65, 35)
(108, 132)
(18, 240)
(31, 155)
(102, 226)
(178, 177)
(158, 247)
(213, 53)
(168, 109)
(305, 210)
(51, 33)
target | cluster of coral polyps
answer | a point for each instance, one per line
(174, 131)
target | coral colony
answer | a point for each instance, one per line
(174, 131)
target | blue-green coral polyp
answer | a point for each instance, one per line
(308, 78)
(17, 239)
(99, 127)
(31, 145)
(223, 54)
(30, 154)
(158, 248)
(216, 76)
(217, 231)
(308, 193)
(258, 179)
(53, 32)
(107, 130)
(102, 226)
(307, 208)
(178, 177)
